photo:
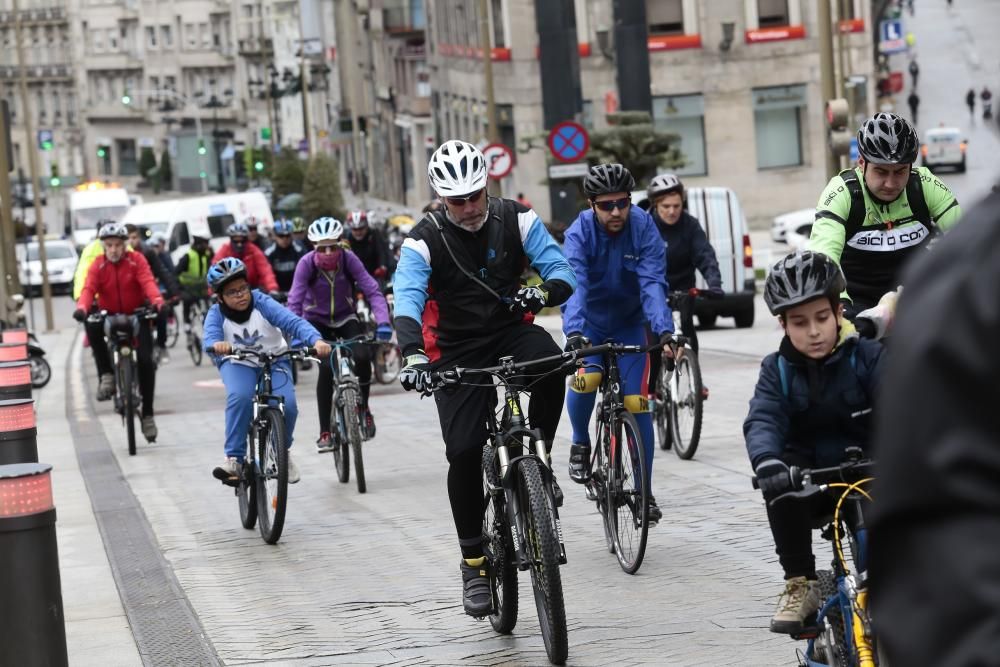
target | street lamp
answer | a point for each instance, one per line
(214, 103)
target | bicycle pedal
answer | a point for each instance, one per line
(591, 492)
(225, 478)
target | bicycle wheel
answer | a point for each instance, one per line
(173, 329)
(41, 372)
(598, 479)
(194, 348)
(686, 409)
(352, 418)
(662, 409)
(833, 650)
(388, 363)
(272, 475)
(628, 492)
(246, 492)
(541, 543)
(127, 377)
(341, 448)
(496, 531)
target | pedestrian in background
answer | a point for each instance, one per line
(970, 101)
(914, 71)
(914, 101)
(987, 98)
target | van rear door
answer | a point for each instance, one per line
(721, 216)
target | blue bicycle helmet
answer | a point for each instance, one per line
(237, 229)
(283, 227)
(226, 270)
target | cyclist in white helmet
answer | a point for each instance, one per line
(459, 297)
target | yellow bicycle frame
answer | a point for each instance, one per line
(859, 613)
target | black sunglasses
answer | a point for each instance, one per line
(460, 201)
(620, 204)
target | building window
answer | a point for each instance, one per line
(166, 37)
(665, 17)
(113, 39)
(127, 163)
(206, 36)
(772, 13)
(499, 37)
(150, 37)
(190, 35)
(777, 115)
(684, 115)
(97, 40)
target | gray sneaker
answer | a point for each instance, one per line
(149, 429)
(106, 387)
(293, 470)
(797, 602)
(230, 470)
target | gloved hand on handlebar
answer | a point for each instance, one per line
(715, 292)
(383, 333)
(80, 315)
(773, 478)
(380, 272)
(416, 375)
(531, 299)
(667, 341)
(575, 341)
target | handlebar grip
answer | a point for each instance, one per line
(754, 482)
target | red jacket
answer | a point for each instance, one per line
(259, 272)
(121, 287)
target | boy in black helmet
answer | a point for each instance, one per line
(812, 401)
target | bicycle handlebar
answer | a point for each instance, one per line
(802, 478)
(241, 354)
(142, 312)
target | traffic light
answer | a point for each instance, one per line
(45, 142)
(102, 151)
(258, 165)
(201, 147)
(54, 179)
(839, 137)
(202, 174)
(126, 99)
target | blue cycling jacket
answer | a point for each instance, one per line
(620, 277)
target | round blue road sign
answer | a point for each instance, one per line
(568, 141)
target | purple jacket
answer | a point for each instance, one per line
(317, 299)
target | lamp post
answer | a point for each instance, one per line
(214, 103)
(156, 93)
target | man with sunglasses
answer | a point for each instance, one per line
(284, 254)
(459, 301)
(620, 266)
(259, 273)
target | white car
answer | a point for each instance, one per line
(61, 259)
(797, 222)
(943, 147)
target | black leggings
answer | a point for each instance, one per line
(362, 366)
(147, 367)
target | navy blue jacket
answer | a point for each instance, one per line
(688, 249)
(818, 408)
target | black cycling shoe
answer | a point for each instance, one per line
(476, 596)
(654, 512)
(579, 463)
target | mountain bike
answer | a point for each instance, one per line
(387, 358)
(122, 333)
(347, 411)
(521, 527)
(840, 634)
(679, 402)
(262, 488)
(41, 372)
(196, 334)
(619, 482)
(173, 325)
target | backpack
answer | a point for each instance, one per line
(914, 195)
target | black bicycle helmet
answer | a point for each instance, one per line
(802, 277)
(886, 138)
(605, 179)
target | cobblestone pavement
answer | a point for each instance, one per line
(373, 578)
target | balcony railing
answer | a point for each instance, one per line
(256, 46)
(37, 72)
(46, 15)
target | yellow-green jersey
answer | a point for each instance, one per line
(872, 240)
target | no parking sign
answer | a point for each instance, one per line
(499, 160)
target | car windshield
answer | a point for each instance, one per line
(948, 138)
(87, 218)
(156, 227)
(55, 251)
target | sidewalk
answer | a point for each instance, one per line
(97, 631)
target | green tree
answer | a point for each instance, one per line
(166, 172)
(321, 189)
(633, 141)
(147, 161)
(288, 174)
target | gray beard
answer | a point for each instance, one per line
(473, 226)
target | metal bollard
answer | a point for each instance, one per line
(32, 625)
(18, 431)
(15, 336)
(13, 351)
(15, 379)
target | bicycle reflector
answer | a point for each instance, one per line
(13, 351)
(25, 489)
(15, 336)
(15, 379)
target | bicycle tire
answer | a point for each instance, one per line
(341, 448)
(173, 330)
(598, 479)
(272, 475)
(246, 492)
(388, 363)
(541, 543)
(628, 506)
(41, 371)
(835, 655)
(352, 405)
(685, 443)
(128, 396)
(496, 547)
(194, 349)
(661, 410)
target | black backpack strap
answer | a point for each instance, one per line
(435, 217)
(918, 202)
(856, 218)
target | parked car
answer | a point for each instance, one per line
(61, 259)
(721, 215)
(798, 222)
(943, 147)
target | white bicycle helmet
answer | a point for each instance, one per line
(357, 219)
(663, 184)
(325, 229)
(113, 230)
(456, 169)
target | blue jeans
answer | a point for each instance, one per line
(241, 386)
(634, 370)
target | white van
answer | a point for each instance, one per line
(209, 216)
(721, 216)
(91, 202)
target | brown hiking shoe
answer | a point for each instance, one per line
(797, 602)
